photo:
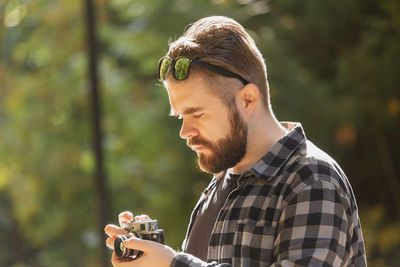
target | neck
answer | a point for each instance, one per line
(264, 131)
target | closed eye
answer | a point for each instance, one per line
(198, 115)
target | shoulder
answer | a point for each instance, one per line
(311, 169)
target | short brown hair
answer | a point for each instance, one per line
(223, 42)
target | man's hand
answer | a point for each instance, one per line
(154, 254)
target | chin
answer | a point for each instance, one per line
(204, 168)
(210, 169)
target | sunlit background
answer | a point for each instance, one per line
(332, 65)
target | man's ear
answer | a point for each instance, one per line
(248, 97)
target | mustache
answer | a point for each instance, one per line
(198, 142)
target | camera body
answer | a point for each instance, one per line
(141, 227)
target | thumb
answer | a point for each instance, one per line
(140, 244)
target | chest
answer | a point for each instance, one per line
(246, 227)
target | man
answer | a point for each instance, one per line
(275, 198)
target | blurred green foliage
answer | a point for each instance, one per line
(332, 65)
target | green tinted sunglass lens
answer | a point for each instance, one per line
(164, 67)
(182, 68)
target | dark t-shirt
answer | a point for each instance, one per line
(199, 236)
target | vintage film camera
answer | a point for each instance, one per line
(141, 227)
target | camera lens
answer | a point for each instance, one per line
(124, 252)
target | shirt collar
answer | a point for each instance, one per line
(280, 153)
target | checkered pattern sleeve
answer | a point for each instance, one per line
(187, 260)
(317, 227)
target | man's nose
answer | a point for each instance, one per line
(188, 130)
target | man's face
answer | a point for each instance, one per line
(216, 133)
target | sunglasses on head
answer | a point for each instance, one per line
(181, 68)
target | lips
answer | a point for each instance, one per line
(198, 145)
(197, 148)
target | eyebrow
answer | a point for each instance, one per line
(186, 111)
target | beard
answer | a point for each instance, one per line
(226, 152)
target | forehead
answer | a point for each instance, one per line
(191, 94)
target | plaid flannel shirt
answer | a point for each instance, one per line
(294, 207)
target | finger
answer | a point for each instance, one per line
(124, 217)
(110, 242)
(115, 260)
(140, 244)
(113, 230)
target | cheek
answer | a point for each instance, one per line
(224, 125)
(215, 129)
